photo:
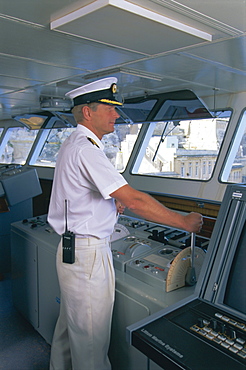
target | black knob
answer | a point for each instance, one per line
(214, 324)
(162, 238)
(200, 322)
(154, 235)
(231, 333)
(222, 328)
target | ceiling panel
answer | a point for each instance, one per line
(37, 12)
(143, 27)
(41, 44)
(228, 54)
(231, 13)
(43, 11)
(146, 57)
(221, 65)
(30, 71)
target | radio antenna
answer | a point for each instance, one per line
(66, 229)
(68, 242)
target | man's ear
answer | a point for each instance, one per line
(86, 112)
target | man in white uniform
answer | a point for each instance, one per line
(94, 192)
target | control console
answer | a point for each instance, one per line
(200, 331)
(146, 250)
(130, 247)
(153, 267)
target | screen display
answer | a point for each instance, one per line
(235, 294)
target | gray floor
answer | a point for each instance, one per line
(21, 347)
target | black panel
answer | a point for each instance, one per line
(172, 344)
(208, 332)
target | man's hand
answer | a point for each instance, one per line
(194, 222)
(147, 207)
(120, 208)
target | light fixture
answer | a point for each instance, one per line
(131, 8)
(142, 74)
(55, 104)
(132, 72)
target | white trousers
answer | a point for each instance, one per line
(82, 334)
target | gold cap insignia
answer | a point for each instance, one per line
(114, 88)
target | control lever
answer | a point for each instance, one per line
(158, 236)
(190, 277)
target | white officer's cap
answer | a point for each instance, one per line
(101, 91)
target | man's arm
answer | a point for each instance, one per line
(147, 207)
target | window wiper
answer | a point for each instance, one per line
(160, 141)
(163, 137)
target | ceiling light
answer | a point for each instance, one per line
(142, 74)
(131, 8)
(113, 71)
(55, 104)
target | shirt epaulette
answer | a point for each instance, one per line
(92, 141)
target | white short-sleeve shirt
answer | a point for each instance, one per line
(85, 178)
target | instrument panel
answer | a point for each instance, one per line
(158, 255)
(155, 254)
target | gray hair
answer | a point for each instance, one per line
(78, 113)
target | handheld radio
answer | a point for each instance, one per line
(68, 242)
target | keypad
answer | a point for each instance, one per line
(222, 330)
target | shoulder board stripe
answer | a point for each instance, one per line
(92, 141)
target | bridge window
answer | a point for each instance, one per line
(16, 145)
(49, 143)
(174, 149)
(117, 145)
(234, 170)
